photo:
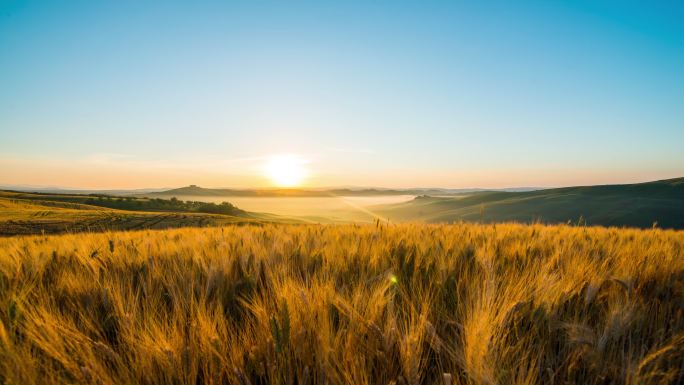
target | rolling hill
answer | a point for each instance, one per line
(197, 191)
(634, 205)
(32, 213)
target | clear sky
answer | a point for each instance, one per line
(117, 94)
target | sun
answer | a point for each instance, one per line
(286, 170)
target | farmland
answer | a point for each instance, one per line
(345, 304)
(25, 213)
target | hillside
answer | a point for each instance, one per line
(29, 213)
(636, 205)
(26, 217)
(130, 203)
(407, 304)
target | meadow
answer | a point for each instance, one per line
(25, 214)
(344, 304)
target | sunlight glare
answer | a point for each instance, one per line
(286, 170)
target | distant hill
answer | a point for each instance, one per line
(197, 191)
(634, 205)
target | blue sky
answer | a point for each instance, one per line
(454, 94)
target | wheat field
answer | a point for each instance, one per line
(344, 304)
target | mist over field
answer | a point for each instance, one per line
(334, 208)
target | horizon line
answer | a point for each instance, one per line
(24, 188)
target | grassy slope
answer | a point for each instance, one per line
(67, 198)
(401, 304)
(19, 216)
(638, 205)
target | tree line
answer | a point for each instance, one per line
(157, 204)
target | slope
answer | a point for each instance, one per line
(634, 205)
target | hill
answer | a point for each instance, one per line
(402, 304)
(33, 213)
(636, 205)
(196, 191)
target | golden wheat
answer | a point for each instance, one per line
(313, 304)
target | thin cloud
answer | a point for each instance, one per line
(352, 150)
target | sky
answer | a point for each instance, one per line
(119, 94)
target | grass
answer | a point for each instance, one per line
(315, 304)
(32, 216)
(128, 203)
(634, 205)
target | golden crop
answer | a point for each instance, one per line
(318, 304)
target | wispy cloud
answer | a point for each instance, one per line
(351, 150)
